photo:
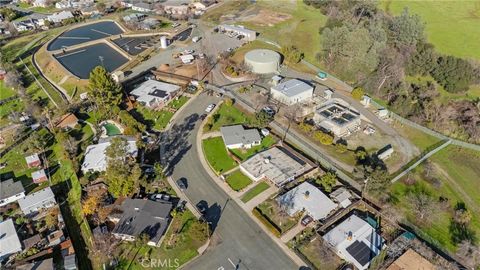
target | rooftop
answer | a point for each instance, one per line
(67, 120)
(38, 174)
(36, 198)
(31, 159)
(152, 88)
(143, 216)
(276, 164)
(238, 135)
(10, 188)
(293, 87)
(9, 242)
(95, 158)
(309, 198)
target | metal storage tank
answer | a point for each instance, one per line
(163, 42)
(262, 61)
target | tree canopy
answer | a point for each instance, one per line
(105, 92)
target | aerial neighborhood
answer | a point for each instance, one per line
(214, 134)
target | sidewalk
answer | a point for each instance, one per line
(260, 198)
(235, 198)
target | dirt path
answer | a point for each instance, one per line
(471, 203)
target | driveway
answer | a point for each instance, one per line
(237, 241)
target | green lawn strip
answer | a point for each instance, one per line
(244, 154)
(11, 106)
(421, 140)
(178, 103)
(272, 211)
(217, 155)
(183, 250)
(227, 115)
(237, 180)
(453, 29)
(253, 192)
(157, 119)
(6, 92)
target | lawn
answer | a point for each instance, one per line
(452, 27)
(6, 92)
(272, 210)
(456, 173)
(157, 120)
(244, 154)
(216, 154)
(256, 190)
(445, 96)
(226, 115)
(237, 180)
(177, 103)
(420, 139)
(178, 249)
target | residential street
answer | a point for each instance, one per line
(237, 241)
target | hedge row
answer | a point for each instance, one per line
(267, 222)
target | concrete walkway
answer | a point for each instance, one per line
(294, 231)
(260, 198)
(234, 196)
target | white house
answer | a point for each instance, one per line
(238, 137)
(10, 191)
(153, 93)
(306, 197)
(95, 159)
(37, 201)
(142, 7)
(292, 92)
(9, 242)
(355, 241)
(40, 3)
(60, 16)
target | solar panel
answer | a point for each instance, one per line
(361, 252)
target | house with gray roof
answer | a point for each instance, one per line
(155, 94)
(142, 217)
(10, 191)
(9, 242)
(292, 92)
(37, 201)
(238, 137)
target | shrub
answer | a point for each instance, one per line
(266, 221)
(358, 93)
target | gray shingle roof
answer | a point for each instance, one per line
(10, 188)
(238, 135)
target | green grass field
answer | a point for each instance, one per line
(216, 154)
(237, 180)
(244, 154)
(156, 119)
(178, 103)
(227, 115)
(253, 192)
(6, 92)
(457, 171)
(452, 26)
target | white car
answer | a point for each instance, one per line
(210, 108)
(188, 51)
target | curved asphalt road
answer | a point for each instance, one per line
(237, 242)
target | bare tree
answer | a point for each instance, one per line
(469, 253)
(423, 204)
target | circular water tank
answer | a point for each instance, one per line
(163, 42)
(262, 61)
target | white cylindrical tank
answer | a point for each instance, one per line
(163, 42)
(262, 61)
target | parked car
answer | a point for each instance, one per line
(160, 197)
(196, 39)
(174, 25)
(230, 50)
(218, 95)
(188, 51)
(210, 108)
(201, 55)
(181, 206)
(306, 220)
(182, 183)
(269, 110)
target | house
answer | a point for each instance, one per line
(155, 94)
(342, 197)
(46, 264)
(355, 241)
(142, 7)
(10, 191)
(33, 161)
(64, 4)
(40, 3)
(89, 11)
(37, 201)
(67, 121)
(134, 17)
(238, 137)
(31, 241)
(142, 216)
(187, 58)
(9, 242)
(306, 197)
(60, 16)
(95, 159)
(249, 35)
(176, 7)
(70, 262)
(24, 25)
(411, 260)
(39, 176)
(55, 238)
(276, 164)
(292, 92)
(338, 117)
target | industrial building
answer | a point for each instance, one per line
(276, 164)
(248, 34)
(262, 61)
(292, 92)
(355, 241)
(337, 117)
